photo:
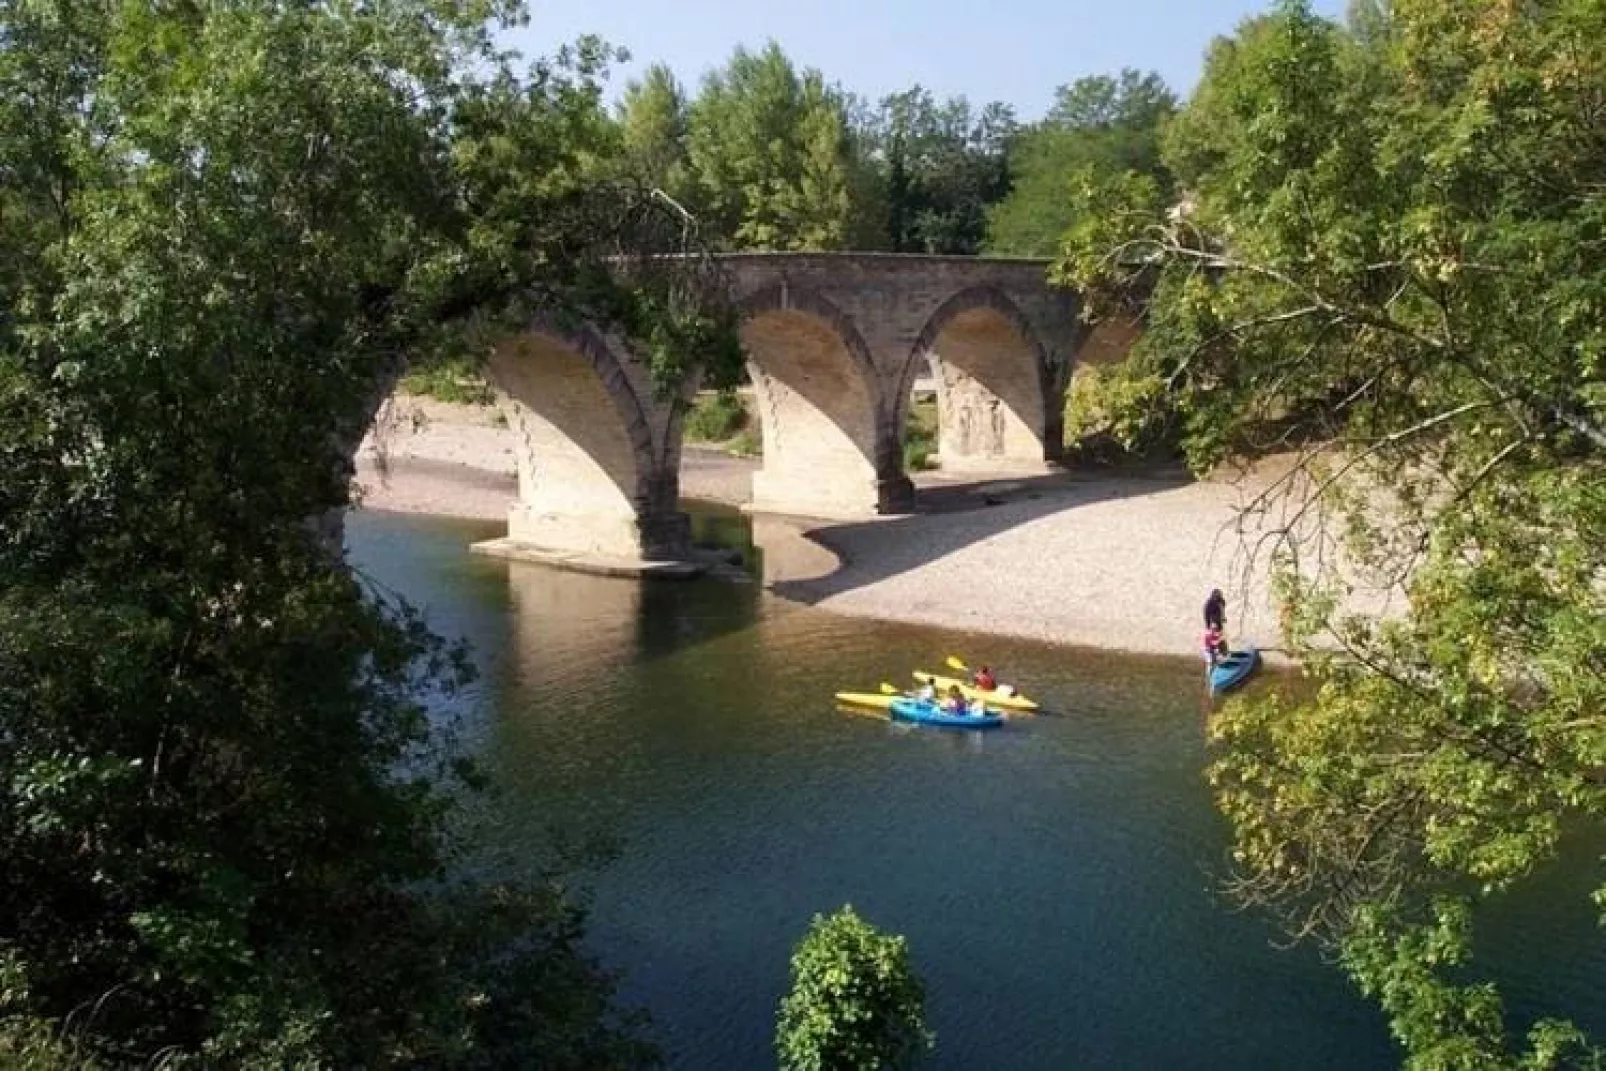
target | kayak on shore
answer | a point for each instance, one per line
(927, 713)
(997, 698)
(1233, 670)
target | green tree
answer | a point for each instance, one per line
(1391, 265)
(941, 167)
(226, 777)
(855, 1004)
(653, 122)
(1105, 124)
(770, 155)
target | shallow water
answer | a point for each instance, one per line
(1054, 878)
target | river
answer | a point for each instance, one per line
(1055, 879)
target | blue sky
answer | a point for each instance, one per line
(1016, 51)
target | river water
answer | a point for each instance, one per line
(1055, 879)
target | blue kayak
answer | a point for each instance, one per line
(1233, 670)
(927, 713)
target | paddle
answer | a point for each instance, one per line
(887, 689)
(955, 662)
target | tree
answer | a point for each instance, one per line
(1104, 124)
(769, 155)
(855, 1004)
(942, 166)
(653, 122)
(1391, 266)
(226, 779)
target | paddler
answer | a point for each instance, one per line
(983, 679)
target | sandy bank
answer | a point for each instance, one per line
(424, 456)
(1121, 562)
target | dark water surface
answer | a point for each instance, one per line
(1054, 879)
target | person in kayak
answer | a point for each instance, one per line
(1215, 611)
(955, 703)
(928, 691)
(984, 679)
(1215, 645)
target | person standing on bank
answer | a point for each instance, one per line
(1215, 611)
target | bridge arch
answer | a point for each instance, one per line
(996, 399)
(597, 465)
(829, 445)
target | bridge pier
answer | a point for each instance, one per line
(598, 459)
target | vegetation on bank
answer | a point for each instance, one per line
(451, 379)
(722, 418)
(227, 773)
(1389, 262)
(855, 1004)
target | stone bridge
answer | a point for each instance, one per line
(834, 344)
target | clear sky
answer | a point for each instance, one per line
(1016, 51)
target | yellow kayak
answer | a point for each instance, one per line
(997, 699)
(872, 700)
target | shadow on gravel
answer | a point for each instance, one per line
(952, 515)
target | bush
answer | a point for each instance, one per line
(918, 446)
(716, 418)
(748, 443)
(1117, 411)
(920, 435)
(856, 1003)
(456, 381)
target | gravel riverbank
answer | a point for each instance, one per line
(1118, 562)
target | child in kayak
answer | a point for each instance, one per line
(1215, 645)
(955, 703)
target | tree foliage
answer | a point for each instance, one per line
(855, 1003)
(939, 167)
(227, 785)
(653, 119)
(769, 155)
(1099, 125)
(1390, 264)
